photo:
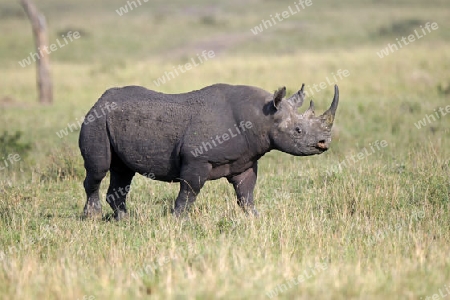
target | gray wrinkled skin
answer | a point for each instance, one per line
(154, 133)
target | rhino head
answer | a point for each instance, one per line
(301, 134)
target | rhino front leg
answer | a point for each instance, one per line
(192, 179)
(244, 184)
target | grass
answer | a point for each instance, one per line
(377, 229)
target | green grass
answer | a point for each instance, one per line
(379, 229)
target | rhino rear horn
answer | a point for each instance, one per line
(310, 112)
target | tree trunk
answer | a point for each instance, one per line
(38, 23)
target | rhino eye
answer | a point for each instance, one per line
(298, 129)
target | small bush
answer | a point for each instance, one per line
(399, 28)
(64, 164)
(444, 89)
(10, 144)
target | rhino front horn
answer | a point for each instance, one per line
(332, 110)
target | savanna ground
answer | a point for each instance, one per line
(377, 229)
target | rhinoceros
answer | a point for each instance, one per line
(219, 131)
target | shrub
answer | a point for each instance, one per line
(10, 144)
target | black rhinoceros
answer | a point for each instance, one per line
(219, 131)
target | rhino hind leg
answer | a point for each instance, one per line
(244, 184)
(119, 186)
(96, 152)
(93, 207)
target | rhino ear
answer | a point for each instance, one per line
(278, 96)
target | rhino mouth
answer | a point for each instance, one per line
(322, 145)
(321, 149)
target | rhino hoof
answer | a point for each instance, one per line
(121, 215)
(252, 213)
(178, 213)
(92, 212)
